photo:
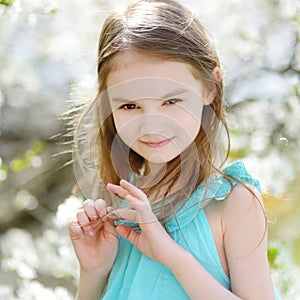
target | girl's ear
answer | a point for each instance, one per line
(211, 91)
(217, 73)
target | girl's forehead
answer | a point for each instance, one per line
(125, 59)
(149, 87)
(148, 76)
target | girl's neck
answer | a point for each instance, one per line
(153, 174)
(154, 169)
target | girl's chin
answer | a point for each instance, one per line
(160, 159)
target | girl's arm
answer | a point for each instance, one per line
(195, 280)
(91, 285)
(245, 245)
(95, 248)
(245, 242)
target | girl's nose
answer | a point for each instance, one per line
(152, 123)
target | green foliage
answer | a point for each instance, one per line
(20, 163)
(273, 253)
(51, 10)
(7, 2)
(236, 154)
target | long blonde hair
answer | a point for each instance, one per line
(163, 29)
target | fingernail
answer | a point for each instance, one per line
(124, 181)
(101, 210)
(88, 201)
(91, 232)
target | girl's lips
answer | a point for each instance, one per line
(156, 144)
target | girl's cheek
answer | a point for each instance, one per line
(128, 134)
(125, 126)
(119, 120)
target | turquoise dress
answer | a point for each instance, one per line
(135, 276)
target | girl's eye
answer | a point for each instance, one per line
(129, 106)
(172, 101)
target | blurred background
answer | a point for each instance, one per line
(48, 52)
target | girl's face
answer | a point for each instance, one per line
(156, 105)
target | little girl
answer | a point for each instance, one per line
(168, 221)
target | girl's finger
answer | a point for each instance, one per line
(133, 201)
(132, 215)
(101, 208)
(83, 220)
(116, 189)
(75, 230)
(136, 202)
(143, 209)
(90, 210)
(128, 233)
(109, 230)
(133, 190)
(124, 214)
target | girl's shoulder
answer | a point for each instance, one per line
(241, 192)
(233, 184)
(237, 219)
(244, 204)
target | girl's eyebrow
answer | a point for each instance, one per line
(168, 95)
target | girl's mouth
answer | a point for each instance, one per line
(157, 144)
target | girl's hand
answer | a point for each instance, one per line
(95, 246)
(153, 241)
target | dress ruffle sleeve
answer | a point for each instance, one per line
(218, 188)
(237, 172)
